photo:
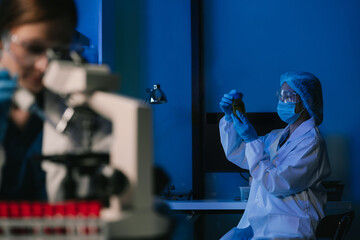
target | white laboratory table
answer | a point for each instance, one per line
(231, 206)
(209, 205)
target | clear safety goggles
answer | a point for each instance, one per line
(288, 97)
(29, 51)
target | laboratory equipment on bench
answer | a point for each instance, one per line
(118, 148)
(40, 220)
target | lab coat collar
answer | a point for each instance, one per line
(302, 129)
(295, 136)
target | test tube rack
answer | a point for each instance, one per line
(39, 220)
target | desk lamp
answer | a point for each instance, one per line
(155, 95)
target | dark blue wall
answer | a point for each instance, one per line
(90, 25)
(168, 62)
(153, 47)
(89, 22)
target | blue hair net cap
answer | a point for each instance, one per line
(309, 88)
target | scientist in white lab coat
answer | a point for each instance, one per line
(287, 165)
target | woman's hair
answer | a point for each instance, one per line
(14, 13)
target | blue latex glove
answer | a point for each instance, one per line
(226, 105)
(7, 89)
(244, 128)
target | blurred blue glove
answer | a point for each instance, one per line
(226, 105)
(244, 128)
(7, 89)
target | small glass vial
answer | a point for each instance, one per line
(238, 104)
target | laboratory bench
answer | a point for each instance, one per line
(229, 206)
(202, 206)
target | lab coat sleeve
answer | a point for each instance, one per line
(233, 145)
(294, 171)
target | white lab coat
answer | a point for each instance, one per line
(286, 199)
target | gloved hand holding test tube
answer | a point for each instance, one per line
(231, 102)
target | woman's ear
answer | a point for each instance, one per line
(299, 107)
(305, 111)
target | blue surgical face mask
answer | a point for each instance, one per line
(286, 112)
